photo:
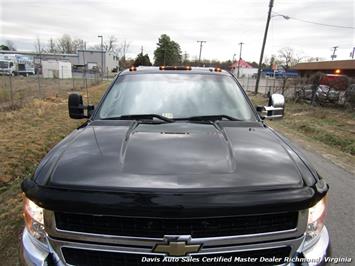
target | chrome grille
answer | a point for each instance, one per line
(67, 242)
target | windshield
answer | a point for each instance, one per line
(176, 96)
(4, 64)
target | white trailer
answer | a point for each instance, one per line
(56, 69)
(15, 64)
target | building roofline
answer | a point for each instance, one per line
(49, 54)
(326, 65)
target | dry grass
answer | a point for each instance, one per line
(27, 88)
(331, 126)
(26, 136)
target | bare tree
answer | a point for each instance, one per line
(288, 59)
(51, 46)
(77, 44)
(313, 59)
(38, 45)
(64, 44)
(10, 45)
(315, 81)
(121, 52)
(110, 45)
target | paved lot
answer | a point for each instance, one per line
(341, 210)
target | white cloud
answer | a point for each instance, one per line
(223, 24)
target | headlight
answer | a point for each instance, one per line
(316, 217)
(33, 216)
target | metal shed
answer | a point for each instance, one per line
(56, 69)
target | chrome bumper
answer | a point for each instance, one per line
(34, 253)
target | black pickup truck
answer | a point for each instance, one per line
(174, 166)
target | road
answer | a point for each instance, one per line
(340, 220)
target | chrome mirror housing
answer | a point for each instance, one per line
(275, 108)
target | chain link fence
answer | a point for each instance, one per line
(270, 85)
(15, 91)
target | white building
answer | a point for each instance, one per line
(56, 69)
(102, 60)
(245, 69)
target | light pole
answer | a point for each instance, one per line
(240, 57)
(201, 43)
(102, 56)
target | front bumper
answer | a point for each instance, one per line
(34, 253)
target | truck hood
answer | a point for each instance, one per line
(113, 155)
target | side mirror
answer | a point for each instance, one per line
(76, 107)
(275, 108)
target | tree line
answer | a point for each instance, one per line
(167, 52)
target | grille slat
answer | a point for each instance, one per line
(158, 227)
(81, 257)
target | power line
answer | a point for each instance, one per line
(317, 23)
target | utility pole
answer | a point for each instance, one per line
(334, 50)
(102, 56)
(352, 53)
(142, 49)
(240, 57)
(201, 44)
(271, 4)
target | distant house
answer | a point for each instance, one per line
(245, 69)
(344, 67)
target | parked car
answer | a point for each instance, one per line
(323, 94)
(350, 97)
(174, 164)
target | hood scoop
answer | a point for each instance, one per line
(150, 150)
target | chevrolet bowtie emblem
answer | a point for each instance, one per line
(176, 248)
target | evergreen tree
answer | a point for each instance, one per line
(168, 52)
(142, 60)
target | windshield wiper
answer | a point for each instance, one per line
(209, 118)
(140, 117)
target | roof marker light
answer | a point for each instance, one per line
(175, 68)
(218, 69)
(132, 68)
